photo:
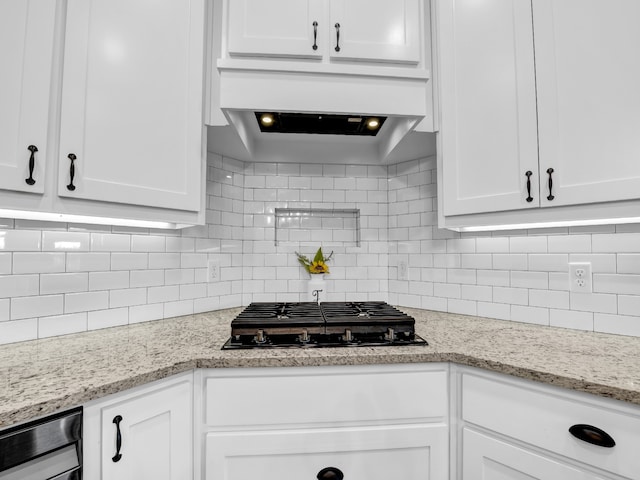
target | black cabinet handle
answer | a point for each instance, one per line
(330, 473)
(550, 197)
(72, 171)
(528, 174)
(315, 35)
(337, 37)
(32, 164)
(117, 419)
(593, 435)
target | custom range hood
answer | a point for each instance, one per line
(268, 115)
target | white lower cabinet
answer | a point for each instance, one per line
(153, 426)
(373, 422)
(487, 458)
(407, 452)
(512, 429)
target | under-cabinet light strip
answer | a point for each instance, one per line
(63, 217)
(567, 223)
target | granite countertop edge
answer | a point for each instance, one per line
(44, 376)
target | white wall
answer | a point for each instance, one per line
(63, 278)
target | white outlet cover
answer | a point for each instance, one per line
(580, 280)
(213, 271)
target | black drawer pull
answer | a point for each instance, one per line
(315, 36)
(330, 473)
(593, 435)
(72, 171)
(32, 164)
(337, 25)
(117, 419)
(528, 174)
(550, 172)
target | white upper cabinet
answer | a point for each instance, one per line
(376, 30)
(132, 102)
(358, 30)
(26, 52)
(545, 87)
(588, 73)
(279, 28)
(488, 136)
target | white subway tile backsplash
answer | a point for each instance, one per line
(164, 260)
(571, 319)
(539, 316)
(530, 280)
(569, 244)
(492, 245)
(476, 292)
(148, 243)
(628, 263)
(107, 318)
(18, 330)
(62, 324)
(40, 306)
(620, 284)
(549, 298)
(549, 262)
(514, 296)
(5, 263)
(145, 313)
(616, 243)
(56, 241)
(5, 309)
(127, 297)
(593, 302)
(36, 262)
(63, 283)
(107, 242)
(617, 324)
(528, 244)
(498, 278)
(512, 261)
(129, 261)
(20, 240)
(629, 305)
(19, 285)
(108, 280)
(176, 309)
(463, 307)
(600, 263)
(86, 301)
(88, 262)
(501, 311)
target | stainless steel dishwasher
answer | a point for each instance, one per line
(46, 449)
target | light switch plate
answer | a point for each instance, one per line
(403, 270)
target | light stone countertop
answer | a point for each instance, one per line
(43, 376)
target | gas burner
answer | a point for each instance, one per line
(327, 324)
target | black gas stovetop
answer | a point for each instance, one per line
(326, 324)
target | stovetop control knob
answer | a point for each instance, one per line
(390, 336)
(260, 336)
(304, 336)
(347, 336)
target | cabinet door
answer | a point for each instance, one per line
(488, 134)
(376, 30)
(156, 431)
(486, 458)
(410, 452)
(132, 102)
(588, 72)
(26, 50)
(279, 28)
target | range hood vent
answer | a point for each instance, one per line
(319, 123)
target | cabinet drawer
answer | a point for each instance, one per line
(281, 397)
(538, 416)
(404, 452)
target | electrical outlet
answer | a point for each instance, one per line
(403, 270)
(580, 278)
(213, 271)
